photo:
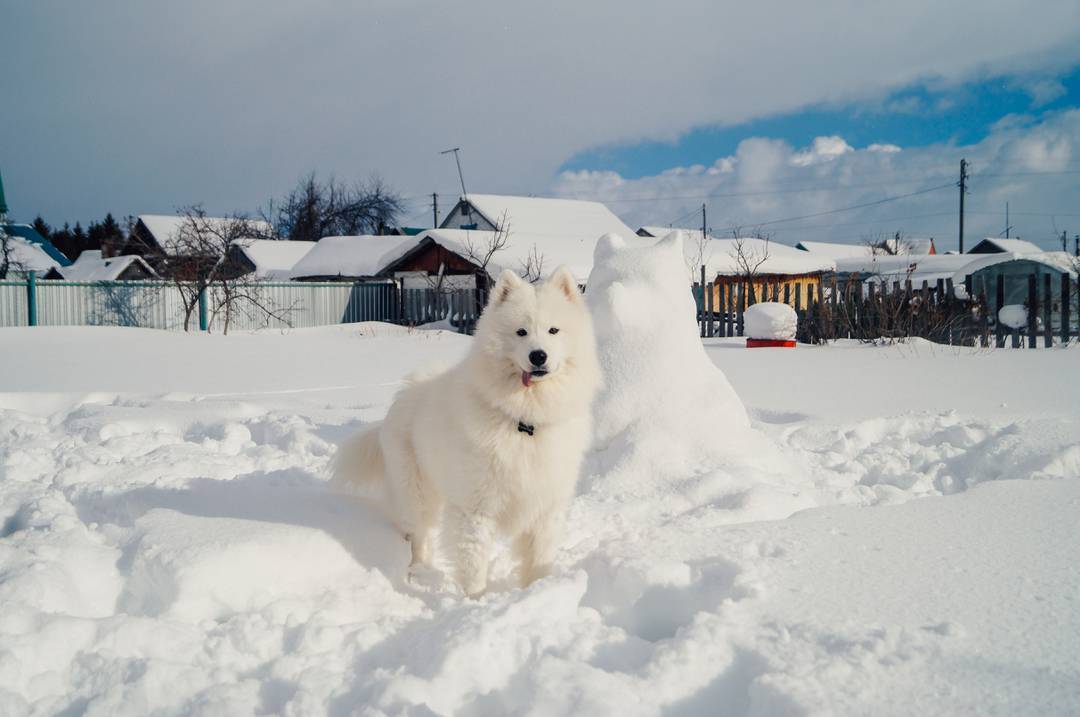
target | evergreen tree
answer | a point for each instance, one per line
(65, 242)
(41, 227)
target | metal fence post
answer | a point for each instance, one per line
(202, 309)
(31, 298)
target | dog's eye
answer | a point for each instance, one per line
(553, 330)
(522, 332)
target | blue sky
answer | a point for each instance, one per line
(915, 116)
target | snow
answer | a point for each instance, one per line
(835, 251)
(771, 321)
(274, 259)
(90, 266)
(1056, 260)
(1015, 316)
(1014, 246)
(351, 256)
(881, 530)
(721, 256)
(556, 218)
(164, 228)
(30, 257)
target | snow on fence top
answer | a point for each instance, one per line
(351, 256)
(274, 259)
(165, 228)
(91, 266)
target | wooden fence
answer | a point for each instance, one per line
(855, 308)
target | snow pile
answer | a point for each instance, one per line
(771, 320)
(669, 429)
(1015, 316)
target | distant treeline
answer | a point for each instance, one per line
(314, 209)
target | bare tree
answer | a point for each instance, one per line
(532, 266)
(202, 262)
(881, 244)
(481, 252)
(749, 257)
(10, 263)
(315, 209)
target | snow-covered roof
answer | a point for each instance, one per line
(721, 257)
(274, 259)
(907, 246)
(165, 227)
(833, 250)
(1056, 260)
(929, 267)
(524, 248)
(1015, 246)
(539, 216)
(90, 266)
(28, 256)
(351, 256)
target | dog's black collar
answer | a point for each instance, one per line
(525, 428)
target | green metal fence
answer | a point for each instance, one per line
(160, 305)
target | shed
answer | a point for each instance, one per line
(268, 259)
(994, 245)
(91, 266)
(349, 258)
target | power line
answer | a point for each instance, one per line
(857, 206)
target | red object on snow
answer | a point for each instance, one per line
(769, 343)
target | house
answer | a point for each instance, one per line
(765, 267)
(758, 264)
(267, 259)
(26, 256)
(158, 239)
(92, 266)
(994, 245)
(349, 258)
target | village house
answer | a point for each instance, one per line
(158, 239)
(766, 268)
(267, 259)
(92, 266)
(996, 245)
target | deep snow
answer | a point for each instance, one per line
(168, 544)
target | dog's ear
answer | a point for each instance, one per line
(565, 282)
(507, 284)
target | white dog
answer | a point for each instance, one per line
(498, 439)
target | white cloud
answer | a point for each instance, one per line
(767, 179)
(135, 106)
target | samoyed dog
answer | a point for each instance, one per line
(497, 440)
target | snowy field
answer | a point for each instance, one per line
(902, 537)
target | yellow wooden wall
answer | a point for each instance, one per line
(764, 287)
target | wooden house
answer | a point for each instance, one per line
(995, 245)
(157, 238)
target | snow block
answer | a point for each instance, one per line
(770, 320)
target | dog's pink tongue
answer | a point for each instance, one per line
(526, 378)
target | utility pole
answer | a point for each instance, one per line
(434, 210)
(963, 191)
(456, 151)
(1064, 241)
(704, 234)
(1076, 244)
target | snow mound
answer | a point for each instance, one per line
(1015, 316)
(670, 433)
(772, 321)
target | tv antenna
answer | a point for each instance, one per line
(457, 159)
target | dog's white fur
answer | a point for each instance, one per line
(451, 439)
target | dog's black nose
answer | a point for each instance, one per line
(538, 357)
